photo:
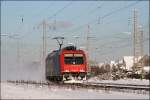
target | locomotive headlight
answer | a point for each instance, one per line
(82, 70)
(74, 63)
(66, 71)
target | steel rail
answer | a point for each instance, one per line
(144, 89)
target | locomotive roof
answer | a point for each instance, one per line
(53, 53)
(56, 52)
(69, 48)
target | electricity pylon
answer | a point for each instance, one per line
(44, 24)
(137, 41)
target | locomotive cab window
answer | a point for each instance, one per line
(73, 58)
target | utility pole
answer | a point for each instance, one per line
(129, 23)
(75, 42)
(18, 52)
(19, 56)
(44, 25)
(18, 59)
(87, 48)
(137, 41)
(141, 46)
(96, 55)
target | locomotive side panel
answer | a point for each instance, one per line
(56, 65)
(49, 67)
(52, 65)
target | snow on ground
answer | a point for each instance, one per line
(121, 81)
(13, 91)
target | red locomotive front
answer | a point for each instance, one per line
(73, 64)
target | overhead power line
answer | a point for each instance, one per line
(108, 14)
(42, 11)
(78, 16)
(89, 13)
(114, 51)
(60, 10)
(112, 42)
(54, 15)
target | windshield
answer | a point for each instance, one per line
(73, 58)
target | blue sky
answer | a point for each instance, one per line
(104, 25)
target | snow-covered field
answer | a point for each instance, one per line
(13, 91)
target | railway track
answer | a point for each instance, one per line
(140, 89)
(121, 86)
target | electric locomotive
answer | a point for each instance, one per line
(66, 64)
